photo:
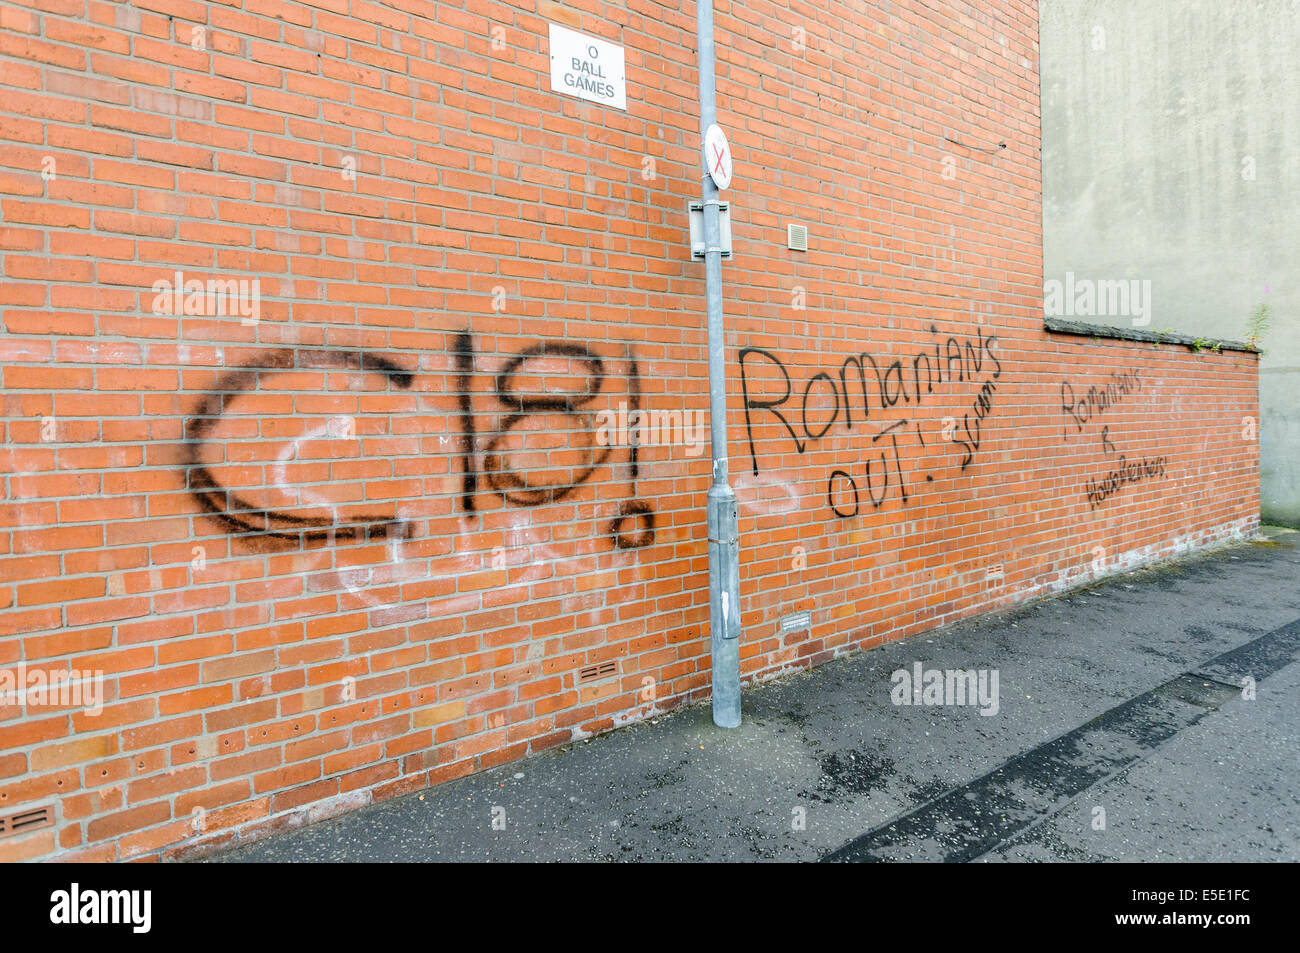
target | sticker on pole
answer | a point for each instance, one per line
(588, 68)
(717, 156)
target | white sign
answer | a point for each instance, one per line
(717, 156)
(588, 68)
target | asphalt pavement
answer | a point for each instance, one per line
(1150, 717)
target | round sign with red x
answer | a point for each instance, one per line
(717, 156)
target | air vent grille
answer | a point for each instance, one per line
(796, 237)
(23, 821)
(593, 672)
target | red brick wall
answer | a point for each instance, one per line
(366, 539)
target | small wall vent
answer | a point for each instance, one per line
(593, 672)
(796, 237)
(796, 622)
(32, 819)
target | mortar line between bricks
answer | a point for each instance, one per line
(1269, 653)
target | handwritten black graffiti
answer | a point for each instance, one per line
(464, 353)
(1128, 471)
(983, 404)
(632, 527)
(830, 493)
(228, 507)
(877, 499)
(863, 383)
(510, 485)
(1098, 400)
(642, 519)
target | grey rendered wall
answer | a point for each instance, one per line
(1171, 153)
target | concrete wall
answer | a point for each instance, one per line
(1171, 152)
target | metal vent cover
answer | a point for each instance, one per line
(20, 822)
(796, 237)
(796, 621)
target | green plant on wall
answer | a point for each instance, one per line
(1256, 325)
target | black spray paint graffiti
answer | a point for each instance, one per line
(894, 383)
(1094, 402)
(1098, 400)
(1128, 471)
(980, 409)
(483, 451)
(233, 511)
(634, 525)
